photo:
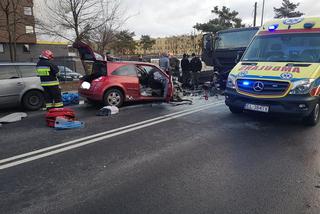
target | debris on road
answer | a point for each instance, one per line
(70, 99)
(179, 95)
(52, 114)
(62, 123)
(14, 117)
(108, 110)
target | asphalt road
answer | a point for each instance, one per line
(178, 159)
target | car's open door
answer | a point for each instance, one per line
(94, 64)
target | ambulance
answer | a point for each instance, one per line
(280, 71)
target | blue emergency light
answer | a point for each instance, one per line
(309, 25)
(274, 27)
(245, 83)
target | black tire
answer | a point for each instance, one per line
(113, 97)
(33, 100)
(235, 110)
(313, 118)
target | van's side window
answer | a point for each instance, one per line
(27, 70)
(8, 72)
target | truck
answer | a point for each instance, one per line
(280, 71)
(224, 49)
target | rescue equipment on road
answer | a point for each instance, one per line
(52, 114)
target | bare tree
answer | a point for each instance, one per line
(13, 27)
(72, 20)
(105, 34)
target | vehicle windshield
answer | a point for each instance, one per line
(235, 39)
(285, 48)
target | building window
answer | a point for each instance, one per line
(30, 29)
(28, 11)
(26, 48)
(1, 48)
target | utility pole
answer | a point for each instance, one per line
(255, 14)
(262, 14)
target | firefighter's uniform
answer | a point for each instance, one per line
(47, 72)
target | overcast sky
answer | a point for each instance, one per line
(174, 17)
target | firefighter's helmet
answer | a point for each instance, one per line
(47, 54)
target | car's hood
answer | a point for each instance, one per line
(276, 70)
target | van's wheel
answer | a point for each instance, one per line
(33, 100)
(113, 97)
(235, 110)
(313, 118)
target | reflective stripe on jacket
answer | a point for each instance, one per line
(47, 72)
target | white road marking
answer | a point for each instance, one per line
(95, 135)
(98, 137)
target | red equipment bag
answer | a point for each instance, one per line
(52, 114)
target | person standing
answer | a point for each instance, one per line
(164, 63)
(185, 66)
(47, 71)
(175, 66)
(196, 67)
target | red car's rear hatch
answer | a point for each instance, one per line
(94, 64)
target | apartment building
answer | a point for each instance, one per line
(17, 29)
(176, 45)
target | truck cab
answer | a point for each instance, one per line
(280, 71)
(225, 49)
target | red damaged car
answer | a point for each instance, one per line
(114, 83)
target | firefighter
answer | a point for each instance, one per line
(47, 72)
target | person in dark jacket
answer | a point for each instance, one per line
(175, 66)
(47, 71)
(185, 66)
(196, 67)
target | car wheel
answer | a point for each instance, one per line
(235, 110)
(113, 97)
(313, 118)
(33, 100)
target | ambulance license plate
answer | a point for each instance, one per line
(259, 108)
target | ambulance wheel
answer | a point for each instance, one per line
(235, 110)
(113, 97)
(313, 118)
(33, 100)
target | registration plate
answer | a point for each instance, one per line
(259, 108)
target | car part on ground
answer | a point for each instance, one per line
(108, 110)
(14, 117)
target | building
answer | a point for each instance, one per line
(18, 40)
(17, 30)
(176, 45)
